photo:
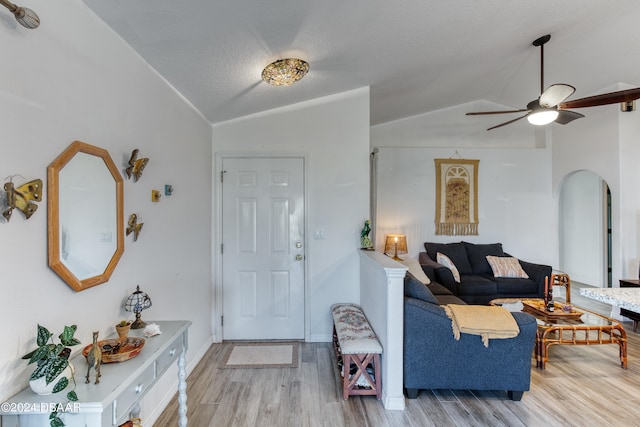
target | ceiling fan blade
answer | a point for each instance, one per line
(566, 116)
(509, 122)
(482, 113)
(555, 94)
(603, 99)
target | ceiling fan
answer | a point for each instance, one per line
(551, 105)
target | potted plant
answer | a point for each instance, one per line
(122, 329)
(54, 370)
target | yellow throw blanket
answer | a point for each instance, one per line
(484, 320)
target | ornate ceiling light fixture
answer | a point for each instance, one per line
(25, 17)
(284, 72)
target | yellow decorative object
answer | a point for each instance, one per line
(21, 198)
(155, 196)
(136, 166)
(133, 226)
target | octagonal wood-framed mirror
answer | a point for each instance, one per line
(85, 215)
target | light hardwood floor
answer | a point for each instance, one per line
(582, 386)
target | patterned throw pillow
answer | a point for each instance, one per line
(414, 268)
(506, 267)
(446, 261)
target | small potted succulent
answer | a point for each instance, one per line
(122, 329)
(54, 371)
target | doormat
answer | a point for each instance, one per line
(262, 355)
(457, 197)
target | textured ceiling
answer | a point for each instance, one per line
(416, 55)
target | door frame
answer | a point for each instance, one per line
(216, 240)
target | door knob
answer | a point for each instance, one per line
(298, 257)
(298, 245)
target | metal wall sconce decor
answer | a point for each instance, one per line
(136, 166)
(21, 198)
(155, 196)
(133, 226)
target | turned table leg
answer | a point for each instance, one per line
(182, 390)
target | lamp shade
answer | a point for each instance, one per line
(136, 302)
(396, 244)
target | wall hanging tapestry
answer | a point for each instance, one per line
(457, 197)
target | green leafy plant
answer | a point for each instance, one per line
(52, 359)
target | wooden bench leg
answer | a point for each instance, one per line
(361, 361)
(346, 372)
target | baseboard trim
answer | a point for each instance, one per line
(393, 403)
(320, 338)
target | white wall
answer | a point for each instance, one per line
(334, 134)
(74, 79)
(519, 187)
(606, 142)
(581, 228)
(514, 199)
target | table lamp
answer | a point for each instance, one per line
(397, 243)
(136, 302)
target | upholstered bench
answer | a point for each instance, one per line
(356, 344)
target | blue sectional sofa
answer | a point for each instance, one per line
(477, 282)
(433, 359)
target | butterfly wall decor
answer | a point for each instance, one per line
(133, 226)
(22, 198)
(136, 166)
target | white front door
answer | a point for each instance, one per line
(263, 248)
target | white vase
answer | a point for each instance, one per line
(41, 387)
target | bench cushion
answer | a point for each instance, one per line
(354, 332)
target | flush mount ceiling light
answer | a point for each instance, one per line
(284, 72)
(25, 17)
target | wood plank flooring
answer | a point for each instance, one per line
(582, 386)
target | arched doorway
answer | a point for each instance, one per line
(585, 229)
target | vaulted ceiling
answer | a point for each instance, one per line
(416, 55)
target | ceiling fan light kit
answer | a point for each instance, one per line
(542, 117)
(551, 105)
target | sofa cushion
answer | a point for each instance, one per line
(413, 288)
(516, 286)
(472, 285)
(446, 261)
(449, 299)
(506, 266)
(438, 289)
(416, 270)
(455, 251)
(478, 256)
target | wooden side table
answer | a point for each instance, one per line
(630, 283)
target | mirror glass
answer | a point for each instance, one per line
(85, 215)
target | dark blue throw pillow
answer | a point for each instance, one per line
(456, 252)
(478, 256)
(414, 288)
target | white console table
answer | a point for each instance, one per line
(122, 385)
